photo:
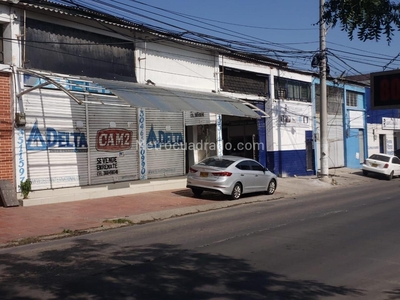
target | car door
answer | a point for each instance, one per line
(246, 176)
(260, 180)
(396, 165)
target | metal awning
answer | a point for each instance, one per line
(173, 100)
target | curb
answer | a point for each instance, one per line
(140, 219)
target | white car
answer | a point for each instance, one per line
(387, 165)
(230, 175)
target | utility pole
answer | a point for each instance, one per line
(323, 101)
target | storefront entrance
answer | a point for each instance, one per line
(240, 137)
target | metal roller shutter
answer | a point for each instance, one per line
(335, 141)
(165, 144)
(113, 150)
(56, 147)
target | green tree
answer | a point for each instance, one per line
(370, 19)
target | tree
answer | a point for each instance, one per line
(369, 18)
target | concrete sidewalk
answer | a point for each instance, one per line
(28, 224)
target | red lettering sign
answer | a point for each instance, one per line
(113, 140)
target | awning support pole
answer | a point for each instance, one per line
(49, 80)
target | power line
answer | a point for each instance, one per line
(246, 43)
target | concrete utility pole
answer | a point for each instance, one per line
(323, 102)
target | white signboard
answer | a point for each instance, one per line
(356, 119)
(391, 123)
(198, 118)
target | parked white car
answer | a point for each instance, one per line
(230, 175)
(387, 165)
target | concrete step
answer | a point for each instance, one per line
(102, 191)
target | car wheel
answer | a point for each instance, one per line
(197, 192)
(236, 192)
(271, 187)
(365, 173)
(390, 176)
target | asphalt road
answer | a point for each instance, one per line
(339, 244)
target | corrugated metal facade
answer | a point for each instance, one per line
(165, 144)
(335, 141)
(56, 148)
(113, 150)
(75, 145)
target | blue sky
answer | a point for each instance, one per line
(282, 29)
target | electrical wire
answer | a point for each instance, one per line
(287, 54)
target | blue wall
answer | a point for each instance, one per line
(291, 162)
(353, 147)
(375, 116)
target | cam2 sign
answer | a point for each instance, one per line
(113, 140)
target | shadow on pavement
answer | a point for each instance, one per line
(206, 195)
(92, 270)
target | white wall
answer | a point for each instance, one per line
(374, 130)
(262, 69)
(176, 65)
(10, 19)
(288, 135)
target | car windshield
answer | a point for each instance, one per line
(216, 162)
(380, 157)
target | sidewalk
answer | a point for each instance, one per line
(28, 224)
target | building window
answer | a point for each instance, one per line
(334, 99)
(351, 98)
(239, 81)
(292, 90)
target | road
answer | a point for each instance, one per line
(341, 244)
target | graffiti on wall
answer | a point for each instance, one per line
(56, 141)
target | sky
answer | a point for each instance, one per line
(284, 30)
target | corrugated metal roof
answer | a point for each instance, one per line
(108, 19)
(167, 99)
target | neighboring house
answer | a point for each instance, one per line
(9, 30)
(347, 130)
(284, 138)
(383, 124)
(383, 129)
(291, 132)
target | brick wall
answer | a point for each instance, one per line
(6, 129)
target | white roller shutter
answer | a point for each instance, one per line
(165, 144)
(113, 150)
(56, 147)
(335, 141)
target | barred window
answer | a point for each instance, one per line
(351, 98)
(234, 80)
(334, 99)
(292, 90)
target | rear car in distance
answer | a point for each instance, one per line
(383, 164)
(230, 175)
